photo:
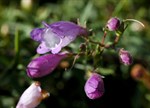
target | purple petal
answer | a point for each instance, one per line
(36, 34)
(56, 36)
(56, 50)
(60, 34)
(113, 24)
(66, 28)
(44, 65)
(125, 57)
(94, 87)
(42, 48)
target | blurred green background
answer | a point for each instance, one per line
(19, 17)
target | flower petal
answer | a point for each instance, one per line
(125, 57)
(51, 40)
(66, 28)
(113, 24)
(44, 65)
(31, 97)
(56, 50)
(94, 86)
(36, 34)
(56, 35)
(42, 48)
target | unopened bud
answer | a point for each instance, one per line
(32, 96)
(44, 65)
(125, 57)
(113, 24)
(94, 87)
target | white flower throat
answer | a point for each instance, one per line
(51, 40)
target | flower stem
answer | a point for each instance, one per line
(133, 20)
(103, 38)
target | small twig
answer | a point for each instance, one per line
(103, 38)
(134, 21)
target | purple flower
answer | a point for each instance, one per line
(125, 57)
(55, 36)
(44, 65)
(94, 87)
(113, 24)
(32, 96)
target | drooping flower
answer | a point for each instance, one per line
(113, 24)
(125, 57)
(44, 65)
(32, 96)
(57, 35)
(94, 86)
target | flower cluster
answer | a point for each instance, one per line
(52, 39)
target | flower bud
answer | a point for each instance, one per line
(94, 86)
(32, 96)
(44, 65)
(138, 72)
(113, 24)
(125, 57)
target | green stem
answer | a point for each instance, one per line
(16, 45)
(103, 38)
(133, 20)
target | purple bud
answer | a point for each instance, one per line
(113, 24)
(44, 65)
(56, 36)
(32, 96)
(125, 57)
(94, 87)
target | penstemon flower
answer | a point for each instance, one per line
(125, 57)
(44, 65)
(94, 86)
(57, 35)
(113, 24)
(32, 96)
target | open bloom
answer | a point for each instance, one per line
(32, 96)
(55, 36)
(125, 57)
(94, 86)
(44, 65)
(113, 24)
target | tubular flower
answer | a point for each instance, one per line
(55, 36)
(125, 57)
(113, 24)
(44, 65)
(94, 86)
(32, 96)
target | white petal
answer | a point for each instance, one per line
(42, 48)
(31, 97)
(51, 39)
